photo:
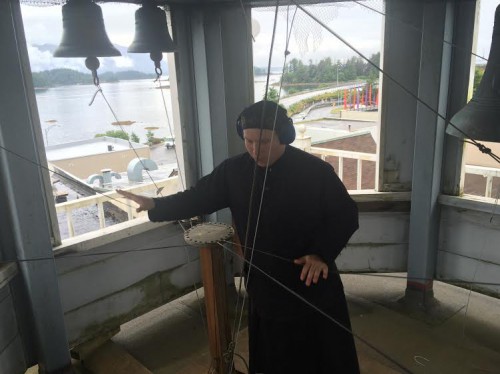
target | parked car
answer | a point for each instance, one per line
(170, 143)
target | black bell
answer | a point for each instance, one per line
(84, 34)
(479, 119)
(151, 31)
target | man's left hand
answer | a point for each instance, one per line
(312, 268)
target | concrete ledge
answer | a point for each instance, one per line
(107, 235)
(470, 202)
(375, 202)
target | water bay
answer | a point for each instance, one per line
(136, 100)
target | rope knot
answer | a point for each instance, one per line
(229, 353)
(484, 149)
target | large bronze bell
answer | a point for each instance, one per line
(151, 30)
(84, 34)
(480, 118)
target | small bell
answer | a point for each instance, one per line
(84, 34)
(479, 118)
(151, 33)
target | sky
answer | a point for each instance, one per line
(362, 28)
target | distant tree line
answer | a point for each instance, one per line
(327, 71)
(66, 77)
(259, 71)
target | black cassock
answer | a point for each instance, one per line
(305, 210)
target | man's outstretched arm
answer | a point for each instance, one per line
(144, 202)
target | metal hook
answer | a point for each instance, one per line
(159, 72)
(92, 63)
(95, 77)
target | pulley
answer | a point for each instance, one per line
(480, 118)
(151, 33)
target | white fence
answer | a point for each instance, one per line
(167, 186)
(486, 172)
(171, 185)
(358, 156)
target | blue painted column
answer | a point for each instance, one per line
(215, 81)
(25, 199)
(214, 68)
(462, 71)
(400, 60)
(444, 83)
(434, 76)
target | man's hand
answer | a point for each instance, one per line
(313, 267)
(145, 203)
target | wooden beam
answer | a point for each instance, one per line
(214, 283)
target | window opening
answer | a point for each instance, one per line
(331, 93)
(481, 172)
(91, 150)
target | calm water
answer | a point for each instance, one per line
(138, 101)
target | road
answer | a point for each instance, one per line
(340, 125)
(163, 156)
(318, 113)
(289, 100)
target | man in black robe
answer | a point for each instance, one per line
(299, 217)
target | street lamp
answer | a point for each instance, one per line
(51, 124)
(337, 74)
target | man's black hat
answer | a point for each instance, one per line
(267, 115)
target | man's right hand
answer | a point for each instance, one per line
(145, 203)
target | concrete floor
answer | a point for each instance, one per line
(460, 335)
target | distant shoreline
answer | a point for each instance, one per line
(68, 77)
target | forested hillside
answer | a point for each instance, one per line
(66, 77)
(327, 71)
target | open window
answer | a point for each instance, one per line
(119, 134)
(481, 171)
(328, 88)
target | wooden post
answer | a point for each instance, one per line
(214, 284)
(207, 236)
